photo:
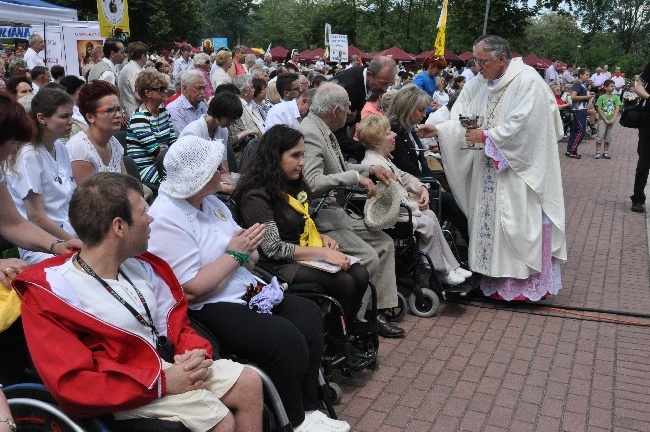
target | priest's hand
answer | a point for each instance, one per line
(473, 137)
(426, 131)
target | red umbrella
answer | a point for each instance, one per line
(533, 61)
(546, 62)
(466, 56)
(397, 54)
(319, 52)
(252, 51)
(352, 50)
(515, 54)
(307, 55)
(279, 53)
(449, 56)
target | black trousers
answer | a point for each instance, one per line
(287, 345)
(347, 287)
(642, 167)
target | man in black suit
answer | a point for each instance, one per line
(361, 82)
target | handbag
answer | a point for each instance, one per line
(631, 115)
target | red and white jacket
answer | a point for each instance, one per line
(91, 367)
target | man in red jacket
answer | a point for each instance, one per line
(109, 333)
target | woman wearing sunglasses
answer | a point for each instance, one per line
(151, 129)
(96, 149)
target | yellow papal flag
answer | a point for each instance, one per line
(439, 45)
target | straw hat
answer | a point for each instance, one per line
(190, 163)
(382, 210)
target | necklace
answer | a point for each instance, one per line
(53, 166)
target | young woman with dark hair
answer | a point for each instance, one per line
(272, 191)
(39, 175)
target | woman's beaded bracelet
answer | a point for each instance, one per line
(239, 256)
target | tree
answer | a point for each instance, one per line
(506, 18)
(155, 22)
(552, 35)
(227, 18)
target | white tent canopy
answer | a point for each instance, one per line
(33, 12)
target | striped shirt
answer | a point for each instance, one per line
(147, 135)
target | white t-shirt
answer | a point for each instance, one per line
(189, 239)
(285, 112)
(36, 170)
(80, 148)
(85, 292)
(199, 128)
(468, 74)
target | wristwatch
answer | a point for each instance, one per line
(10, 422)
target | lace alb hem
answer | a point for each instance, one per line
(536, 286)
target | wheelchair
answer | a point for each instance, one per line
(364, 334)
(409, 262)
(35, 410)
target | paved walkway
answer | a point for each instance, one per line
(479, 368)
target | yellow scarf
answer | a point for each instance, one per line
(310, 236)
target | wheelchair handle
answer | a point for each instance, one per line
(348, 189)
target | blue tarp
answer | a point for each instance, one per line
(34, 3)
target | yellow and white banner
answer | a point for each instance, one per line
(439, 45)
(113, 18)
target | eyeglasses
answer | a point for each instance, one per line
(482, 62)
(161, 89)
(295, 88)
(199, 88)
(111, 111)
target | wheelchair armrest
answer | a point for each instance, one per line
(347, 189)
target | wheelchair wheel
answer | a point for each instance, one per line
(429, 305)
(336, 394)
(397, 313)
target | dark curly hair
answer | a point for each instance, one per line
(263, 169)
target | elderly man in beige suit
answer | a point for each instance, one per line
(325, 169)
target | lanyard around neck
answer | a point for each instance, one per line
(130, 308)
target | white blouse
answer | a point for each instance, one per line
(189, 239)
(80, 148)
(37, 171)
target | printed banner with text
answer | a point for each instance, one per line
(338, 48)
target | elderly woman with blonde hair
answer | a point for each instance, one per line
(223, 60)
(379, 140)
(151, 129)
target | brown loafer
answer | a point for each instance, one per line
(388, 330)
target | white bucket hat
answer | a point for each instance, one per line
(382, 210)
(190, 163)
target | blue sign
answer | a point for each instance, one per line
(14, 32)
(220, 43)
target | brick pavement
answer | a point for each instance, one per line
(477, 368)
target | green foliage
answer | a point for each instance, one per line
(155, 22)
(507, 18)
(551, 35)
(227, 18)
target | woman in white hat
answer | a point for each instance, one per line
(211, 257)
(375, 134)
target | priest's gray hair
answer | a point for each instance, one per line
(190, 76)
(495, 45)
(328, 96)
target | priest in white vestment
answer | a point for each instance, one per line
(511, 189)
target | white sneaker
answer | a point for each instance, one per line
(316, 421)
(452, 278)
(463, 273)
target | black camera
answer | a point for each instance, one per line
(165, 349)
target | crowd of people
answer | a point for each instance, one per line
(111, 267)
